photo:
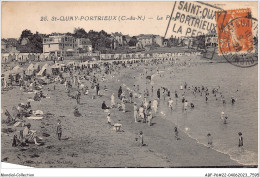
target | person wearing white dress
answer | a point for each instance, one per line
(112, 100)
(141, 112)
(123, 106)
(170, 103)
(155, 105)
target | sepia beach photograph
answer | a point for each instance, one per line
(169, 84)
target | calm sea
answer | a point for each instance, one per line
(240, 83)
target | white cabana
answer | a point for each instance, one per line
(29, 70)
(16, 70)
(46, 69)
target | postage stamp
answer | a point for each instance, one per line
(235, 31)
(236, 40)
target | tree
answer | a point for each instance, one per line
(26, 34)
(34, 44)
(80, 33)
(133, 41)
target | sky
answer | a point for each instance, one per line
(18, 16)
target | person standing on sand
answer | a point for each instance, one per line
(155, 105)
(170, 103)
(59, 130)
(78, 97)
(164, 94)
(149, 118)
(131, 97)
(176, 94)
(158, 93)
(123, 106)
(97, 89)
(176, 133)
(112, 100)
(109, 120)
(141, 138)
(141, 112)
(119, 92)
(183, 99)
(135, 112)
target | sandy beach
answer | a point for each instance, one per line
(88, 141)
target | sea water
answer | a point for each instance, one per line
(240, 83)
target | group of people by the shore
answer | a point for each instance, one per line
(145, 103)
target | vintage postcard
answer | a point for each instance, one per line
(160, 84)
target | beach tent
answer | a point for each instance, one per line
(29, 70)
(46, 69)
(42, 57)
(16, 70)
(71, 63)
(55, 66)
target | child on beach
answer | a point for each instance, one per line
(59, 130)
(109, 120)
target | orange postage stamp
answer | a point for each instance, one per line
(235, 34)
